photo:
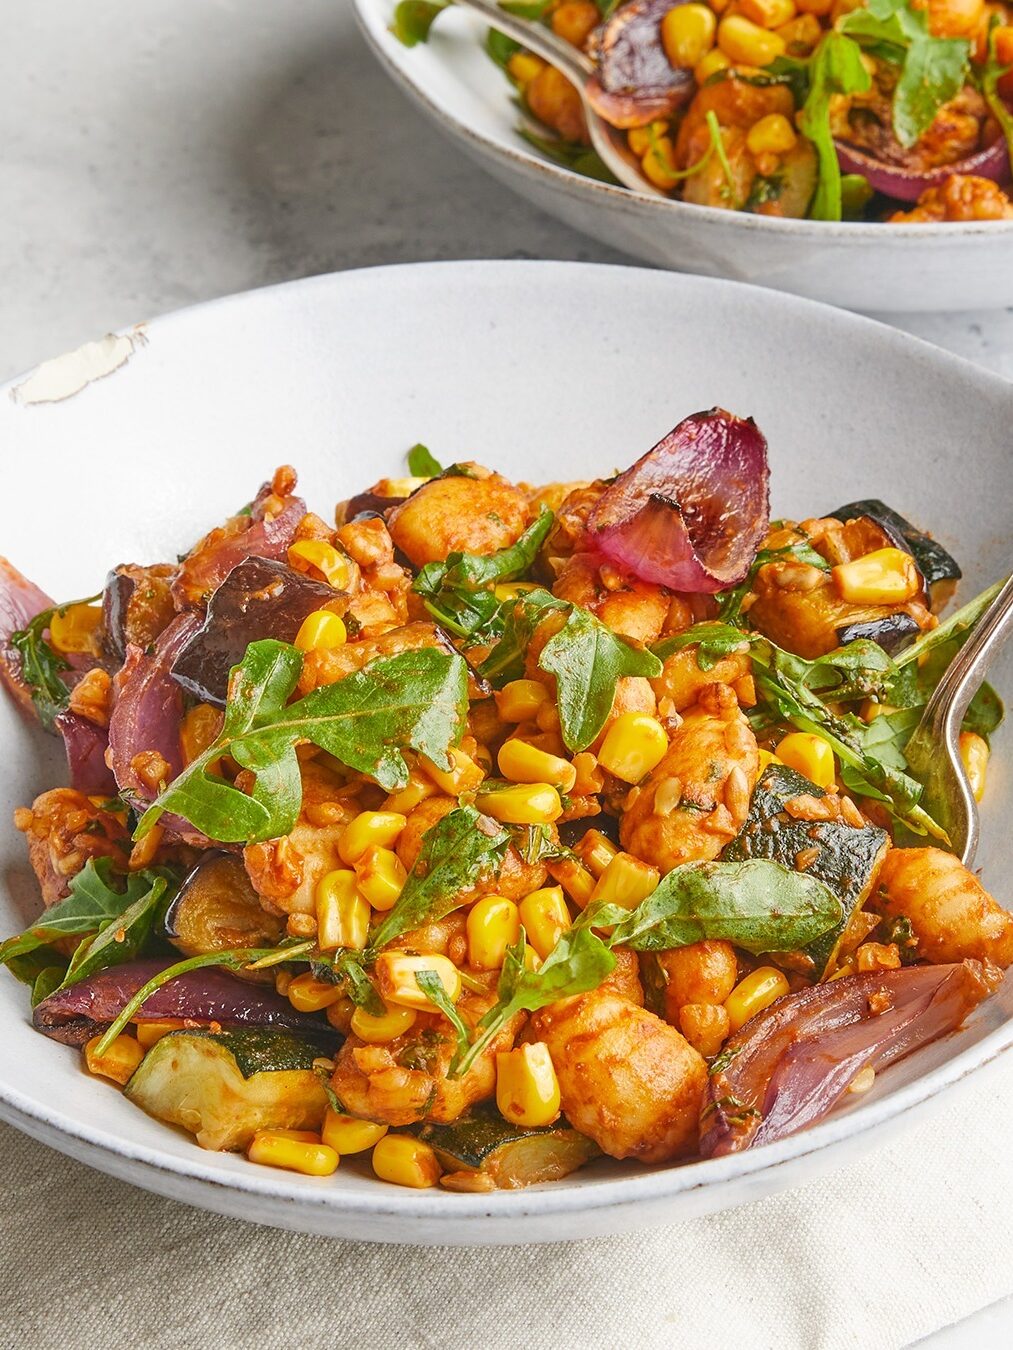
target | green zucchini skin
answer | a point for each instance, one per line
(224, 1086)
(934, 563)
(508, 1155)
(849, 857)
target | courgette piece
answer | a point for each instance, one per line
(224, 1086)
(482, 1151)
(848, 860)
(216, 909)
(939, 568)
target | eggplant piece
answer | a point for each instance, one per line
(216, 908)
(892, 631)
(225, 1086)
(848, 857)
(635, 82)
(258, 599)
(814, 622)
(136, 606)
(939, 568)
(482, 1151)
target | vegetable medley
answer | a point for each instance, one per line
(895, 110)
(500, 827)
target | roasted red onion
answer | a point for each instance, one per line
(241, 537)
(20, 601)
(86, 746)
(76, 1014)
(907, 185)
(691, 513)
(790, 1065)
(148, 708)
(635, 82)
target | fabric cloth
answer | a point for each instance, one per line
(912, 1238)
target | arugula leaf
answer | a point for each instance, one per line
(712, 641)
(122, 938)
(459, 851)
(587, 660)
(933, 70)
(42, 664)
(579, 961)
(759, 905)
(416, 699)
(94, 903)
(414, 18)
(958, 625)
(422, 464)
(835, 68)
(581, 159)
(500, 48)
(455, 591)
(432, 986)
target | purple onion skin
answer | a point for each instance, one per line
(74, 1015)
(906, 186)
(791, 1064)
(259, 598)
(207, 567)
(86, 745)
(20, 601)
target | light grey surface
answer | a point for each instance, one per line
(157, 154)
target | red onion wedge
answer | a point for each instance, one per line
(691, 513)
(791, 1064)
(20, 601)
(86, 744)
(907, 185)
(635, 82)
(76, 1014)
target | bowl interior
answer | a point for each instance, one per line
(546, 371)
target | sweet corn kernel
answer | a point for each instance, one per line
(659, 164)
(752, 994)
(524, 66)
(379, 1030)
(512, 590)
(687, 34)
(527, 1090)
(307, 994)
(522, 804)
(272, 1148)
(575, 880)
(347, 1134)
(523, 763)
(417, 789)
(741, 40)
(886, 577)
(320, 631)
(150, 1032)
(520, 700)
(639, 138)
(634, 744)
(493, 925)
(342, 912)
(625, 881)
(766, 758)
(574, 20)
(199, 728)
(545, 918)
(808, 755)
(75, 631)
(316, 555)
(370, 829)
(709, 65)
(768, 13)
(119, 1061)
(396, 983)
(596, 851)
(381, 876)
(771, 135)
(406, 1161)
(974, 756)
(463, 774)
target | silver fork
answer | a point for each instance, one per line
(577, 67)
(933, 752)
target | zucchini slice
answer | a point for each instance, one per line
(224, 1086)
(482, 1151)
(217, 908)
(848, 860)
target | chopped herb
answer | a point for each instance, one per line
(422, 464)
(414, 18)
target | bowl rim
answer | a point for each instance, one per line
(107, 1151)
(533, 167)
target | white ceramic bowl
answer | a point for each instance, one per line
(543, 370)
(869, 267)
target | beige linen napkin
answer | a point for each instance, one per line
(913, 1237)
